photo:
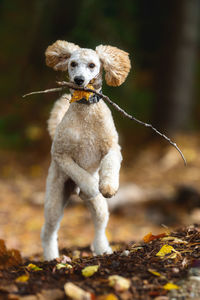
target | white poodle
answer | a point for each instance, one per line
(85, 152)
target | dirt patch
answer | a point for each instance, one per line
(154, 268)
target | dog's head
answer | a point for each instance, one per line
(85, 65)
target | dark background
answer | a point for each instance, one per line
(162, 38)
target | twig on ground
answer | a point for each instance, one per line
(64, 84)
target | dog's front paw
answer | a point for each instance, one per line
(107, 190)
(91, 189)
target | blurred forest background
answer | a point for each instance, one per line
(163, 39)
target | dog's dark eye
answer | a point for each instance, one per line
(91, 65)
(73, 64)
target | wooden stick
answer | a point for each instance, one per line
(64, 84)
(44, 92)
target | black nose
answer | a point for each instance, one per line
(79, 80)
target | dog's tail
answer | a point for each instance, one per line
(57, 113)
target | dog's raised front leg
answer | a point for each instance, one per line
(109, 172)
(100, 215)
(54, 206)
(87, 183)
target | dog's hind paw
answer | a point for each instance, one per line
(101, 246)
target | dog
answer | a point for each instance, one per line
(86, 156)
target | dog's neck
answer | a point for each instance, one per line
(94, 98)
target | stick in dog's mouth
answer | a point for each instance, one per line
(63, 85)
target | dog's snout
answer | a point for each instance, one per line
(79, 80)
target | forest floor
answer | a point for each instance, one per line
(166, 201)
(152, 269)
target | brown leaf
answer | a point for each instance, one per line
(9, 258)
(11, 288)
(107, 297)
(150, 237)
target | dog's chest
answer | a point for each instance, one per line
(85, 138)
(86, 134)
(84, 146)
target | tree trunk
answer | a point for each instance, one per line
(175, 74)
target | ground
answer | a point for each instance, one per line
(169, 200)
(150, 269)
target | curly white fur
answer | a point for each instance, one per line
(85, 150)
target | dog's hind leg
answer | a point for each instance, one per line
(58, 190)
(100, 215)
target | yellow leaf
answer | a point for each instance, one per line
(166, 249)
(32, 267)
(61, 266)
(89, 271)
(111, 297)
(107, 297)
(23, 278)
(119, 283)
(78, 95)
(170, 286)
(154, 272)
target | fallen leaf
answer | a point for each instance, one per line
(170, 286)
(154, 272)
(107, 297)
(166, 249)
(174, 239)
(89, 271)
(75, 292)
(23, 278)
(76, 254)
(119, 283)
(61, 266)
(3, 249)
(173, 255)
(9, 258)
(54, 294)
(32, 267)
(150, 237)
(134, 249)
(63, 259)
(10, 288)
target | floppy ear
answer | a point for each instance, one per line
(58, 53)
(116, 64)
